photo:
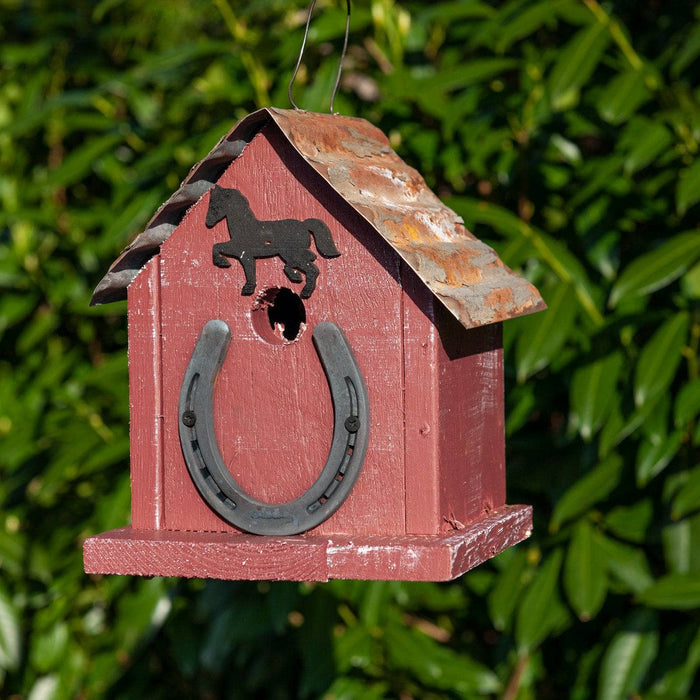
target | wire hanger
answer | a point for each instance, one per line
(301, 55)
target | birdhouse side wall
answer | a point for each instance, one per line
(145, 398)
(472, 429)
(454, 439)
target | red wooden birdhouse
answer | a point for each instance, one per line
(315, 368)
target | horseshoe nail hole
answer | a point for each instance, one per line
(279, 315)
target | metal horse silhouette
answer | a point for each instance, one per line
(289, 239)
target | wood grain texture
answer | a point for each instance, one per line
(429, 558)
(145, 398)
(421, 408)
(306, 557)
(206, 555)
(435, 461)
(274, 416)
(471, 414)
(454, 439)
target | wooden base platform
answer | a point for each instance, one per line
(306, 557)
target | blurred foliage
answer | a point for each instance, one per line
(566, 133)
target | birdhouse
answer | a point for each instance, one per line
(315, 368)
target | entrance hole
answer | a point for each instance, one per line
(279, 315)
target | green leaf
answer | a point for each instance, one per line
(346, 688)
(687, 406)
(673, 592)
(659, 359)
(653, 457)
(677, 663)
(591, 488)
(585, 580)
(690, 283)
(655, 425)
(623, 95)
(613, 429)
(503, 221)
(45, 688)
(657, 269)
(374, 602)
(684, 56)
(407, 84)
(10, 634)
(680, 542)
(13, 551)
(540, 610)
(543, 335)
(103, 7)
(631, 522)
(642, 142)
(141, 613)
(130, 218)
(15, 308)
(687, 499)
(80, 162)
(469, 73)
(567, 150)
(626, 565)
(48, 648)
(575, 65)
(688, 189)
(523, 403)
(455, 10)
(629, 656)
(435, 665)
(525, 22)
(619, 428)
(592, 391)
(506, 593)
(602, 173)
(355, 648)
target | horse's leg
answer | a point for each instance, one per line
(291, 273)
(248, 262)
(217, 255)
(301, 261)
(311, 272)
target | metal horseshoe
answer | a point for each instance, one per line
(206, 466)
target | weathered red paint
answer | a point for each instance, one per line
(274, 415)
(430, 501)
(454, 416)
(309, 557)
(145, 399)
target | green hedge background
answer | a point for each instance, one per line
(566, 134)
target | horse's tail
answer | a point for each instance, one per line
(322, 237)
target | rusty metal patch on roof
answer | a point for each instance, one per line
(357, 161)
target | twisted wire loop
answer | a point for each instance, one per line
(303, 47)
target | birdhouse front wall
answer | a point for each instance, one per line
(274, 417)
(435, 455)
